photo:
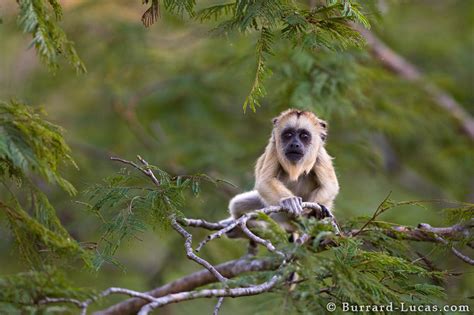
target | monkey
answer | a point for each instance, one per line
(294, 168)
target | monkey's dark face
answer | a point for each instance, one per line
(295, 143)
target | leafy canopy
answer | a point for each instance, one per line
(325, 26)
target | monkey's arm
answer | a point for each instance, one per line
(328, 186)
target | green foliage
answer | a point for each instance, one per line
(462, 213)
(323, 27)
(372, 269)
(322, 81)
(180, 88)
(39, 243)
(31, 146)
(21, 292)
(352, 273)
(49, 39)
(127, 206)
(258, 90)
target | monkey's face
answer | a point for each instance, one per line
(295, 143)
(298, 137)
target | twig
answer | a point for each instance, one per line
(128, 292)
(456, 232)
(113, 158)
(303, 239)
(79, 304)
(259, 240)
(84, 305)
(427, 227)
(252, 215)
(380, 209)
(147, 171)
(218, 305)
(234, 223)
(190, 254)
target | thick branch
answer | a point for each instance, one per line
(200, 278)
(236, 292)
(402, 67)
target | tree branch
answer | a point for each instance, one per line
(402, 67)
(423, 233)
(425, 226)
(197, 279)
(259, 240)
(191, 255)
(183, 289)
(236, 292)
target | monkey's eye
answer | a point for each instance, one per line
(304, 136)
(287, 135)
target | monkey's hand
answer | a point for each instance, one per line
(293, 204)
(325, 212)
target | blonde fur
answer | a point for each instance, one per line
(313, 179)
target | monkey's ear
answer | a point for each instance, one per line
(323, 124)
(324, 134)
(275, 120)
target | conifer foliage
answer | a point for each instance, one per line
(364, 261)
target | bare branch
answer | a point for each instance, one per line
(128, 292)
(399, 65)
(204, 224)
(84, 305)
(218, 305)
(200, 278)
(303, 239)
(190, 295)
(259, 240)
(424, 232)
(183, 289)
(427, 227)
(113, 158)
(190, 254)
(79, 304)
(254, 214)
(147, 171)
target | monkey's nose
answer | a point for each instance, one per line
(295, 145)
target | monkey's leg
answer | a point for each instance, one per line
(241, 204)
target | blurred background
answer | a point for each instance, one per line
(173, 93)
